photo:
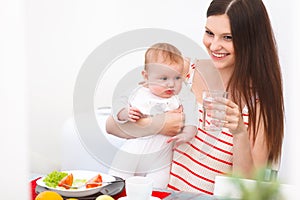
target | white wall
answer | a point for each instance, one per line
(14, 99)
(289, 32)
(62, 33)
(61, 36)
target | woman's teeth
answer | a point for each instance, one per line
(219, 55)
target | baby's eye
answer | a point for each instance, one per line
(164, 78)
(178, 78)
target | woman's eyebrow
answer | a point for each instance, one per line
(214, 32)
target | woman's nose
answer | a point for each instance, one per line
(215, 45)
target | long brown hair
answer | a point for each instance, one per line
(257, 74)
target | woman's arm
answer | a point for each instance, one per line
(259, 149)
(169, 123)
(248, 156)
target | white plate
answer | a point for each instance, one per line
(151, 198)
(79, 174)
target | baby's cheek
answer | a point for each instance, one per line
(178, 88)
(156, 89)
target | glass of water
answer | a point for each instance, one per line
(213, 119)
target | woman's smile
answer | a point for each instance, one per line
(219, 55)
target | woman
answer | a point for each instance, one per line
(239, 39)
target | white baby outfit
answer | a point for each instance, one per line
(153, 154)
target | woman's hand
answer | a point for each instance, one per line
(169, 123)
(233, 117)
(173, 122)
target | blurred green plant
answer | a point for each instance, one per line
(260, 189)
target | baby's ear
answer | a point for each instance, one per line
(145, 75)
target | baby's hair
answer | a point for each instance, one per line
(163, 53)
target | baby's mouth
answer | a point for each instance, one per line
(169, 92)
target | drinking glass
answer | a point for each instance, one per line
(138, 188)
(213, 119)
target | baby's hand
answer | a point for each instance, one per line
(178, 140)
(134, 114)
(187, 134)
(130, 114)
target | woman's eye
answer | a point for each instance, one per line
(209, 33)
(228, 37)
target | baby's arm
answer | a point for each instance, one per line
(188, 132)
(129, 114)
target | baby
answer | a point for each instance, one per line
(157, 94)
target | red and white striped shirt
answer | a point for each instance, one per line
(196, 164)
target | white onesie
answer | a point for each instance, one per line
(152, 154)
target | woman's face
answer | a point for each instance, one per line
(218, 41)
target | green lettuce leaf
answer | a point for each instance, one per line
(53, 178)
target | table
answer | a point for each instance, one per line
(35, 190)
(161, 193)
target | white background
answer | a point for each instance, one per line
(45, 42)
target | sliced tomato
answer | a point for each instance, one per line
(94, 182)
(66, 182)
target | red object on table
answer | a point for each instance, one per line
(32, 188)
(158, 194)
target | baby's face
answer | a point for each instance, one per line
(164, 80)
